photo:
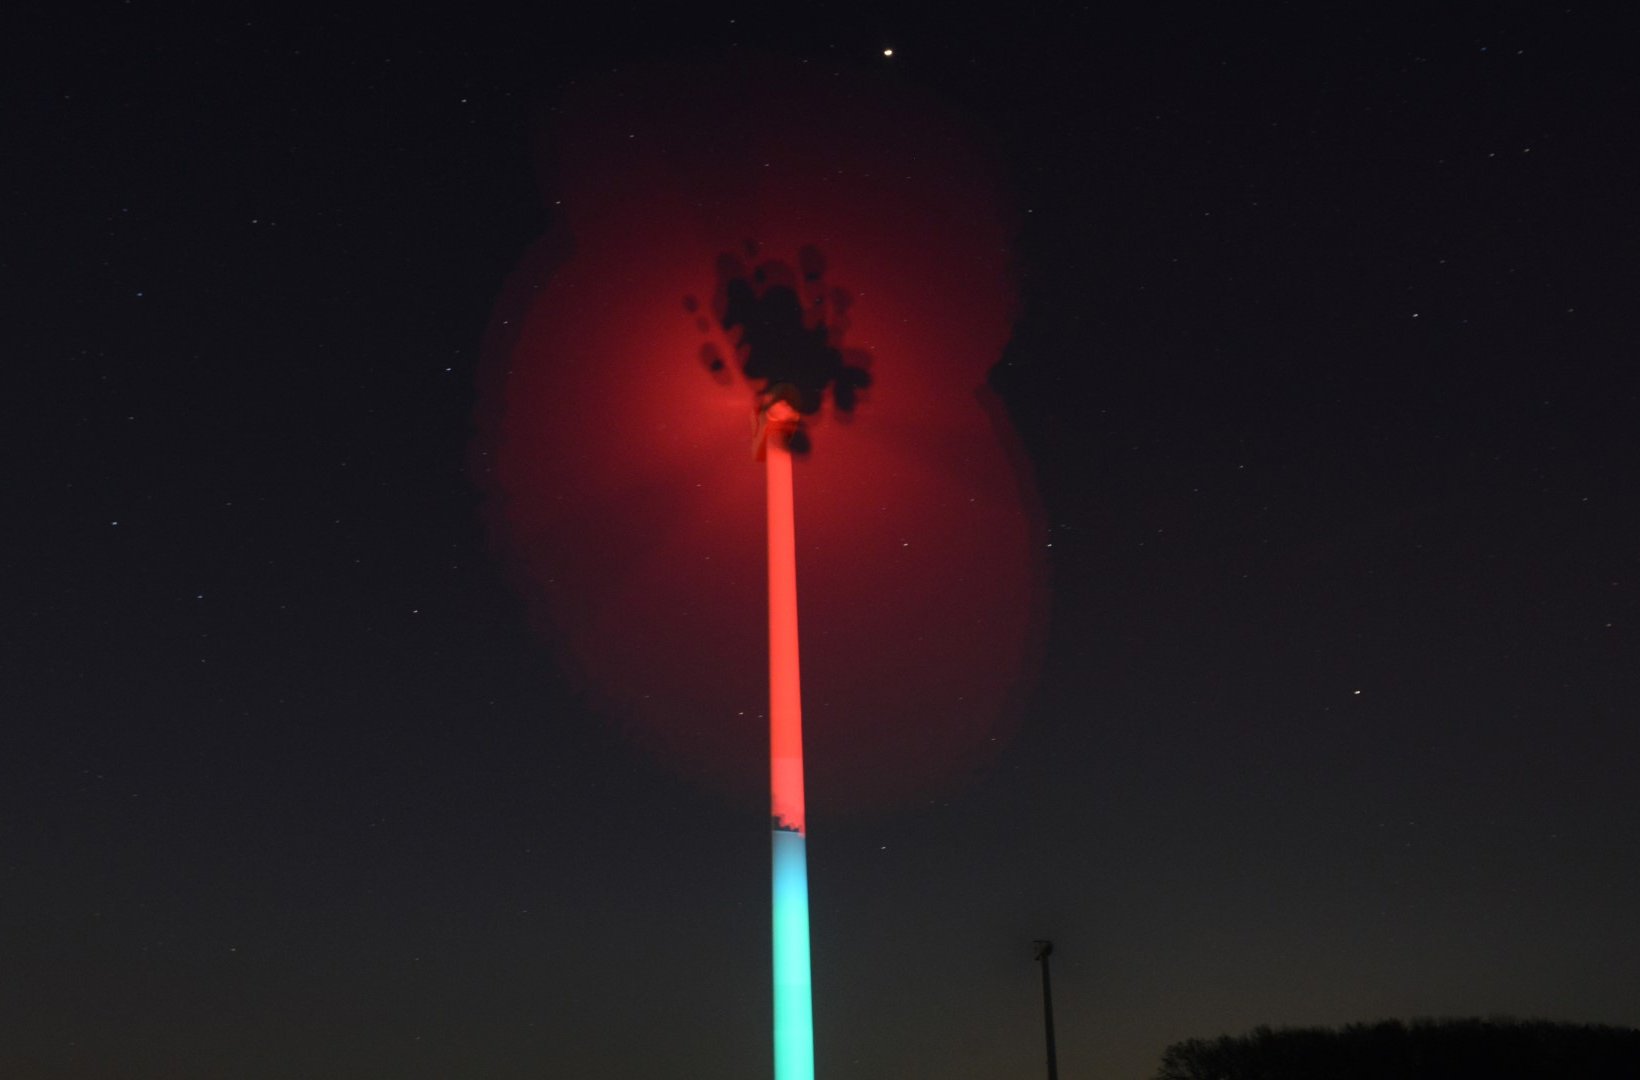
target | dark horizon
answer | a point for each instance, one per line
(1323, 367)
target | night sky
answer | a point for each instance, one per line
(1324, 373)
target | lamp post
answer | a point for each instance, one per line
(1044, 949)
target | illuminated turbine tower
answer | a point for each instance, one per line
(793, 1002)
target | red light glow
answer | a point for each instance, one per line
(619, 471)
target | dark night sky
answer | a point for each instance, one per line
(1327, 368)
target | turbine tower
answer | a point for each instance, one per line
(793, 999)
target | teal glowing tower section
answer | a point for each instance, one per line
(793, 1000)
(793, 1010)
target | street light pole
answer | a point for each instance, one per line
(1044, 949)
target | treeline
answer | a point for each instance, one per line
(1422, 1050)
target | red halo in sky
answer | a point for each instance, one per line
(619, 469)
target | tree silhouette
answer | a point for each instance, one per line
(1497, 1049)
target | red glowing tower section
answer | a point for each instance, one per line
(785, 684)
